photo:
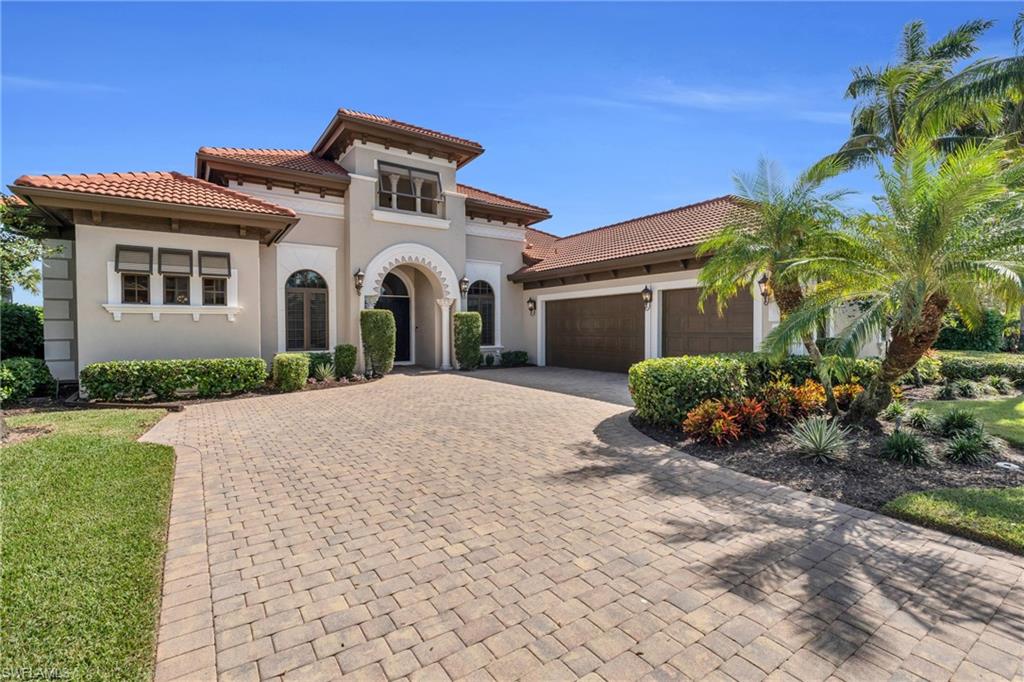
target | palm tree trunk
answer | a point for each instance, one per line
(905, 349)
(788, 298)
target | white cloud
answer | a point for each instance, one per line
(27, 83)
(717, 98)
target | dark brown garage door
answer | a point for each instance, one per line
(686, 331)
(604, 333)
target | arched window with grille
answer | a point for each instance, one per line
(481, 299)
(306, 311)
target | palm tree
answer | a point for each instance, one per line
(776, 223)
(948, 231)
(886, 98)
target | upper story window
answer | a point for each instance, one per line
(409, 189)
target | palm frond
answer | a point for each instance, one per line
(961, 42)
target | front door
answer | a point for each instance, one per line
(394, 296)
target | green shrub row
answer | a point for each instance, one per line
(378, 330)
(987, 336)
(290, 371)
(976, 366)
(468, 331)
(22, 378)
(665, 389)
(319, 357)
(165, 379)
(22, 330)
(514, 358)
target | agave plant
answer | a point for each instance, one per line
(323, 371)
(820, 439)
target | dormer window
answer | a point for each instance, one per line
(409, 189)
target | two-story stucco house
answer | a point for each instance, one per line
(267, 250)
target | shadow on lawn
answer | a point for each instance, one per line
(851, 579)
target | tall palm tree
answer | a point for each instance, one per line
(886, 98)
(776, 224)
(948, 232)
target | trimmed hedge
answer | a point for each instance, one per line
(378, 329)
(22, 378)
(976, 365)
(665, 389)
(163, 379)
(800, 368)
(468, 332)
(344, 360)
(22, 330)
(987, 336)
(514, 358)
(290, 371)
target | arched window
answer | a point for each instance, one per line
(306, 311)
(481, 299)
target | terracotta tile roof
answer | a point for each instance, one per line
(497, 200)
(676, 228)
(290, 159)
(408, 127)
(538, 244)
(165, 187)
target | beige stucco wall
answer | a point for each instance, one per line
(508, 256)
(139, 336)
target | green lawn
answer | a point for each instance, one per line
(84, 515)
(1003, 417)
(992, 516)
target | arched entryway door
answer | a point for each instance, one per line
(306, 311)
(395, 296)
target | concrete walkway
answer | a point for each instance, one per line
(511, 524)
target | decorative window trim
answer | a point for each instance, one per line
(491, 272)
(156, 306)
(215, 254)
(293, 256)
(160, 261)
(393, 215)
(141, 249)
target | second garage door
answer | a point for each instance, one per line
(604, 333)
(687, 331)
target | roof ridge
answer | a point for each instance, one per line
(531, 227)
(88, 176)
(388, 119)
(255, 149)
(231, 192)
(502, 196)
(724, 197)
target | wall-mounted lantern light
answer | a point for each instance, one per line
(358, 279)
(464, 285)
(531, 305)
(766, 289)
(647, 295)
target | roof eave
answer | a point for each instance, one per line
(527, 275)
(462, 153)
(212, 161)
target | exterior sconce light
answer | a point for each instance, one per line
(766, 289)
(647, 295)
(358, 279)
(531, 305)
(464, 285)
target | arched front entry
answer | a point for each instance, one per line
(396, 296)
(433, 289)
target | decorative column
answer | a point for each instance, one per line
(446, 333)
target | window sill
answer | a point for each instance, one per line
(119, 309)
(412, 219)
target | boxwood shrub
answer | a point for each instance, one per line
(23, 330)
(378, 330)
(468, 331)
(975, 366)
(514, 358)
(344, 360)
(665, 389)
(290, 371)
(165, 379)
(22, 378)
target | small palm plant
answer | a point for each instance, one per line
(948, 232)
(819, 439)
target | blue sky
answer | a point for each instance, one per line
(600, 112)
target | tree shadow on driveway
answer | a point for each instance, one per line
(855, 587)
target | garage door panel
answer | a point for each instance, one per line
(603, 333)
(687, 331)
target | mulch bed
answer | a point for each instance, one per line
(861, 479)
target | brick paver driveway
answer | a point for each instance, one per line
(447, 525)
